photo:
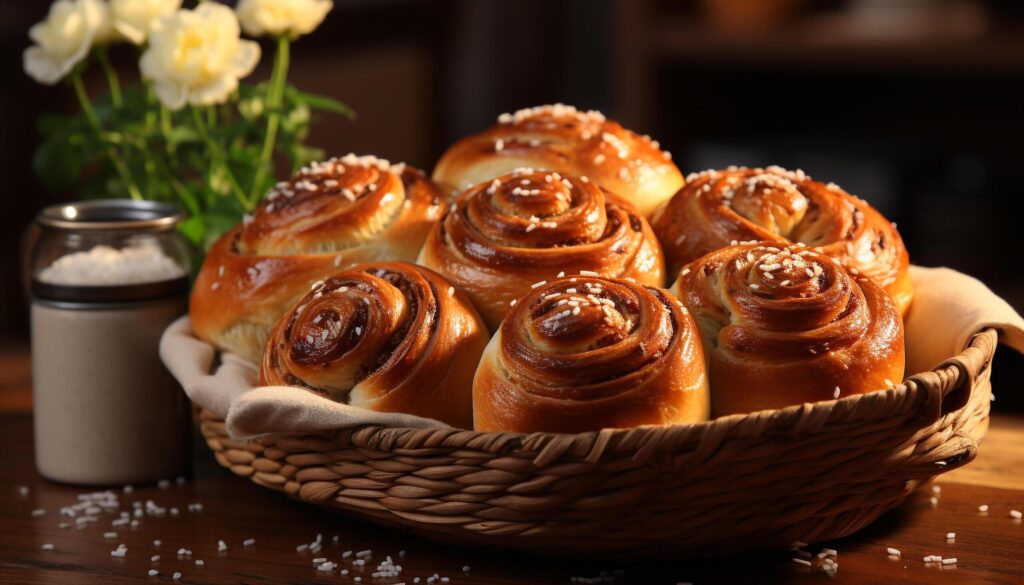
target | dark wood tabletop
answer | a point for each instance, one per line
(35, 548)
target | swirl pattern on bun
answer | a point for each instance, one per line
(787, 325)
(572, 142)
(584, 353)
(500, 237)
(387, 336)
(330, 215)
(785, 207)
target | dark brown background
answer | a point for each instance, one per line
(916, 105)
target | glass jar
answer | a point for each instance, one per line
(106, 278)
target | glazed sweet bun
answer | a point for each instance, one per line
(330, 215)
(585, 353)
(501, 237)
(572, 142)
(785, 207)
(788, 325)
(386, 336)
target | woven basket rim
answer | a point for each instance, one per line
(924, 393)
(812, 472)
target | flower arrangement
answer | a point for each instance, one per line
(190, 131)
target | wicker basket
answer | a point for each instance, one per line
(812, 472)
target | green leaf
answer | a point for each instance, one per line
(183, 135)
(301, 155)
(319, 102)
(56, 164)
(193, 229)
(176, 166)
(296, 120)
(221, 217)
(52, 124)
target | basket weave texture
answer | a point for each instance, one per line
(812, 472)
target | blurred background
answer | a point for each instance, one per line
(915, 105)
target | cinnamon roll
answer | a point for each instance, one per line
(573, 142)
(783, 207)
(329, 216)
(584, 353)
(387, 336)
(502, 236)
(785, 325)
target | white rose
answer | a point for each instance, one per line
(197, 56)
(134, 18)
(105, 31)
(279, 17)
(64, 38)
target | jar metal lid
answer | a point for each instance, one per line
(124, 293)
(111, 214)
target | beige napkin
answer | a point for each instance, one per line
(948, 308)
(228, 390)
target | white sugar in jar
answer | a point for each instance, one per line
(107, 277)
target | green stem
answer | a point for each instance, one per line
(112, 80)
(84, 101)
(94, 121)
(166, 127)
(186, 197)
(160, 164)
(151, 115)
(177, 186)
(220, 160)
(275, 100)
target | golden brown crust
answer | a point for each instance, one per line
(784, 207)
(788, 325)
(564, 139)
(387, 336)
(584, 353)
(500, 237)
(330, 215)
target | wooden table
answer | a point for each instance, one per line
(989, 546)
